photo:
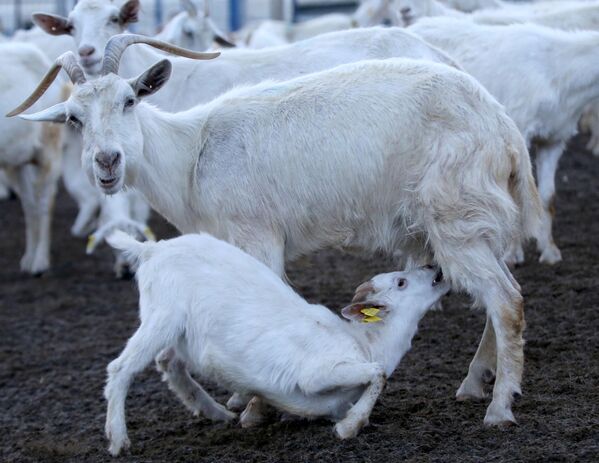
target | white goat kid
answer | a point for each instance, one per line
(29, 154)
(546, 100)
(195, 283)
(395, 155)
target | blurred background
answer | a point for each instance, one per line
(229, 14)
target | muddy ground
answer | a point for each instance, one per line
(58, 333)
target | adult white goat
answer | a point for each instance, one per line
(546, 99)
(30, 154)
(394, 155)
(324, 366)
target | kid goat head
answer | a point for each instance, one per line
(105, 109)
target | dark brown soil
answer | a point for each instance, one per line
(58, 333)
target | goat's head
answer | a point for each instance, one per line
(194, 28)
(397, 294)
(91, 23)
(105, 109)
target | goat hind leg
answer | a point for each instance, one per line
(149, 339)
(193, 396)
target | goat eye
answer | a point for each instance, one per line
(114, 20)
(129, 102)
(402, 283)
(74, 122)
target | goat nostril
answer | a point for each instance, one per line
(116, 157)
(405, 10)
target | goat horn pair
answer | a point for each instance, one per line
(117, 45)
(66, 61)
(113, 52)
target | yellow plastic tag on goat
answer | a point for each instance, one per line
(149, 234)
(91, 240)
(372, 319)
(370, 311)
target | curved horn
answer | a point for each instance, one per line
(66, 61)
(117, 45)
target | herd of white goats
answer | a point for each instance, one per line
(336, 132)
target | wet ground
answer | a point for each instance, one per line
(58, 333)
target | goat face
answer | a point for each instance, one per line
(91, 23)
(105, 110)
(398, 294)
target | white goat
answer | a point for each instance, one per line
(222, 314)
(411, 11)
(270, 33)
(546, 100)
(394, 155)
(29, 154)
(193, 29)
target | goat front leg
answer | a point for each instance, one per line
(193, 396)
(348, 376)
(547, 160)
(24, 178)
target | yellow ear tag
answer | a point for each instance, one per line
(370, 313)
(149, 234)
(373, 319)
(91, 240)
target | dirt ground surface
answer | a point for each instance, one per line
(58, 333)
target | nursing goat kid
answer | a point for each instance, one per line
(212, 308)
(546, 100)
(30, 154)
(397, 156)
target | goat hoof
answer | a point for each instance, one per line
(470, 389)
(498, 416)
(551, 255)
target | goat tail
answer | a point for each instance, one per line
(133, 249)
(523, 190)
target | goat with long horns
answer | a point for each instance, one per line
(113, 53)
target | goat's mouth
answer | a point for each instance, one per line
(108, 184)
(408, 19)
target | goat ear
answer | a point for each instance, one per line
(219, 36)
(152, 80)
(52, 24)
(129, 12)
(56, 113)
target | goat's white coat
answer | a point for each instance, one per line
(232, 320)
(544, 97)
